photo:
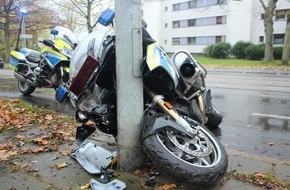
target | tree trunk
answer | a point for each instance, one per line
(269, 30)
(7, 39)
(286, 46)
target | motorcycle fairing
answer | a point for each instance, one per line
(157, 58)
(16, 58)
(53, 56)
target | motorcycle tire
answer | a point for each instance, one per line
(24, 88)
(203, 170)
(213, 118)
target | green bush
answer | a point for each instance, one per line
(277, 52)
(255, 52)
(221, 50)
(238, 50)
(207, 52)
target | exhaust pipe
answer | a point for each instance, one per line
(21, 78)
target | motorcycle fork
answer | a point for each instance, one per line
(202, 108)
(168, 109)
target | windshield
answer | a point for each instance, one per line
(91, 44)
(66, 35)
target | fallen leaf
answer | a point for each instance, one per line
(2, 146)
(271, 144)
(61, 165)
(166, 187)
(38, 150)
(40, 141)
(49, 117)
(66, 152)
(20, 137)
(4, 154)
(86, 186)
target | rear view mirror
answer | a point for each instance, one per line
(106, 17)
(54, 32)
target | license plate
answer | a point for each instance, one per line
(61, 94)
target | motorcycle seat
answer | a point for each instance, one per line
(31, 55)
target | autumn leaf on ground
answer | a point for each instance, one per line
(2, 146)
(49, 117)
(24, 151)
(20, 137)
(66, 152)
(4, 154)
(61, 165)
(38, 150)
(86, 186)
(166, 187)
(40, 141)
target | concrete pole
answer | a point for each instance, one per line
(129, 82)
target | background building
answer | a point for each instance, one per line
(195, 24)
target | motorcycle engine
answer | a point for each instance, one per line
(55, 79)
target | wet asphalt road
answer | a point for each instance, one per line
(256, 110)
(255, 106)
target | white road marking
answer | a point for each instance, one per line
(271, 116)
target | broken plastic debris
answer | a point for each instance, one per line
(93, 157)
(113, 185)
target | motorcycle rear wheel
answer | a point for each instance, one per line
(200, 160)
(24, 88)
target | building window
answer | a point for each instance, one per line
(166, 9)
(191, 22)
(175, 24)
(166, 25)
(261, 39)
(262, 16)
(165, 41)
(219, 20)
(218, 39)
(199, 40)
(200, 22)
(197, 4)
(175, 41)
(278, 38)
(191, 40)
(280, 14)
(176, 7)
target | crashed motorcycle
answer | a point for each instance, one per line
(172, 138)
(48, 68)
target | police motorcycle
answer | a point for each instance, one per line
(47, 68)
(172, 139)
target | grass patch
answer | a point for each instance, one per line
(240, 63)
(267, 179)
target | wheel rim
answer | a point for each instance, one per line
(23, 85)
(201, 150)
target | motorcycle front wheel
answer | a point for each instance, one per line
(200, 160)
(24, 88)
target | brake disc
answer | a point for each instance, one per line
(194, 146)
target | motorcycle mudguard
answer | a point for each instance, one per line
(83, 75)
(159, 121)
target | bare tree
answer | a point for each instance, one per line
(7, 14)
(269, 30)
(87, 10)
(36, 19)
(286, 49)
